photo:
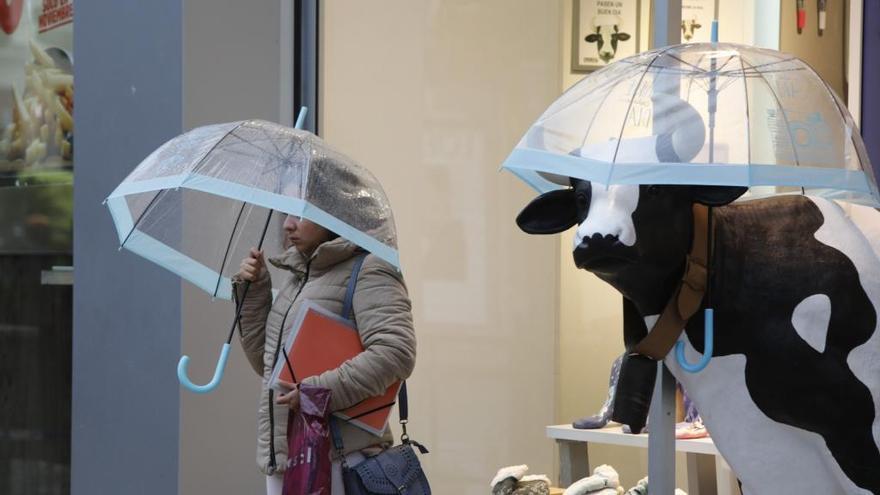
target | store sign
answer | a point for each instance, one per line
(36, 125)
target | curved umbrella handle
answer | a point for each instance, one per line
(218, 373)
(708, 345)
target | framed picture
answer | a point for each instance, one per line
(696, 20)
(603, 31)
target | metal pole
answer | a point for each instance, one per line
(666, 25)
(661, 436)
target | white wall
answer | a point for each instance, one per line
(431, 96)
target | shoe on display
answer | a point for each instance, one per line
(604, 481)
(533, 485)
(505, 481)
(641, 488)
(687, 430)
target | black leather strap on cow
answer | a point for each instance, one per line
(686, 300)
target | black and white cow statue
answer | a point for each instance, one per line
(792, 394)
(606, 35)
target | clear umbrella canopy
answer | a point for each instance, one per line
(712, 114)
(198, 203)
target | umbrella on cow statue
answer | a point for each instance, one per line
(773, 126)
(645, 157)
(198, 203)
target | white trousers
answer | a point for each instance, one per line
(275, 483)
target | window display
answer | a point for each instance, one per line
(792, 278)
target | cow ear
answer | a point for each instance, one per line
(591, 38)
(622, 36)
(549, 213)
(716, 195)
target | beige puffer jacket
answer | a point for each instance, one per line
(383, 315)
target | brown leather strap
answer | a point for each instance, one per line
(686, 299)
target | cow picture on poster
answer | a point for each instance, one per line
(603, 31)
(696, 20)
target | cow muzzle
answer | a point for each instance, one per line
(600, 253)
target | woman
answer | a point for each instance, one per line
(317, 266)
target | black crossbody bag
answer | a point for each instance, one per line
(396, 470)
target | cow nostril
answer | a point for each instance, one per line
(597, 239)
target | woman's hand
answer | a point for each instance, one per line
(291, 398)
(253, 267)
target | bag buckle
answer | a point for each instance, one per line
(404, 437)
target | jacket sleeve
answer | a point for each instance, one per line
(383, 314)
(253, 318)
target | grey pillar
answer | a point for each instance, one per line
(661, 436)
(661, 446)
(126, 319)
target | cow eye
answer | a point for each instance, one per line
(582, 201)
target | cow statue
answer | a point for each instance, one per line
(792, 394)
(606, 34)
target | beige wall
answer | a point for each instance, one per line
(431, 96)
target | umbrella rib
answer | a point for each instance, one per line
(272, 141)
(784, 117)
(159, 193)
(748, 123)
(767, 64)
(593, 118)
(628, 108)
(205, 156)
(251, 144)
(228, 246)
(141, 217)
(691, 79)
(696, 67)
(602, 85)
(869, 171)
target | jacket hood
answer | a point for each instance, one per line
(325, 256)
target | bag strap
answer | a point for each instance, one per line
(348, 302)
(402, 401)
(687, 298)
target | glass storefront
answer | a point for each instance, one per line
(36, 211)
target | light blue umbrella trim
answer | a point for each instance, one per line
(177, 262)
(266, 199)
(689, 173)
(293, 206)
(121, 216)
(142, 186)
(354, 235)
(535, 181)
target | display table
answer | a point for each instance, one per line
(574, 462)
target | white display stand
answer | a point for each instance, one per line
(574, 461)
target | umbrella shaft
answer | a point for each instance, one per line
(247, 284)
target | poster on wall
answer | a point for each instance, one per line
(696, 20)
(604, 31)
(36, 125)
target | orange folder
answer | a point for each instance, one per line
(320, 341)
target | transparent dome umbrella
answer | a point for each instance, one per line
(701, 114)
(199, 203)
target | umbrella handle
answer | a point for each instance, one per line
(218, 373)
(709, 332)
